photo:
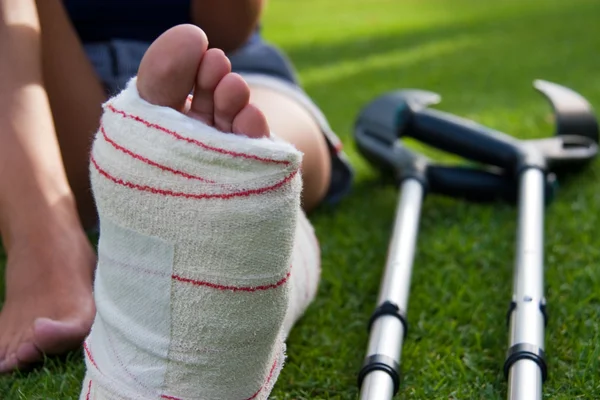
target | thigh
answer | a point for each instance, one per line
(75, 95)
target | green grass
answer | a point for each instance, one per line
(482, 57)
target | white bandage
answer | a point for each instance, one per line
(205, 259)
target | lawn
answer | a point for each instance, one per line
(482, 57)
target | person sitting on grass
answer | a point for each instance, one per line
(195, 162)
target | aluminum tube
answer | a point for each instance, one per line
(527, 319)
(387, 332)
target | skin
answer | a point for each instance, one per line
(227, 23)
(50, 104)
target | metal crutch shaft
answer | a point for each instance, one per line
(380, 376)
(525, 364)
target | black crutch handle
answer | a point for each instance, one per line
(376, 141)
(477, 185)
(406, 113)
(461, 136)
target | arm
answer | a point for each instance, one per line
(227, 23)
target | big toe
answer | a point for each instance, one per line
(168, 70)
(57, 337)
(23, 355)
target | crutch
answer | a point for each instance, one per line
(377, 140)
(529, 163)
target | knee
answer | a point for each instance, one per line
(316, 170)
(228, 23)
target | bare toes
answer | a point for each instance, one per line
(9, 363)
(231, 96)
(214, 66)
(251, 122)
(27, 354)
(179, 62)
(57, 337)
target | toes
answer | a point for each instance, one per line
(9, 363)
(27, 354)
(213, 68)
(177, 62)
(9, 360)
(251, 122)
(54, 337)
(232, 94)
(168, 71)
(25, 357)
(20, 354)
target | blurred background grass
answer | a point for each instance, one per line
(482, 57)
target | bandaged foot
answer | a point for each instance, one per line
(205, 257)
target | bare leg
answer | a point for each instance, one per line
(293, 123)
(48, 306)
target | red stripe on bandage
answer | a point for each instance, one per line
(266, 382)
(194, 141)
(89, 392)
(148, 161)
(89, 355)
(164, 192)
(164, 396)
(233, 288)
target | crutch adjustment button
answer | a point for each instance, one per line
(389, 308)
(380, 362)
(511, 308)
(544, 310)
(526, 351)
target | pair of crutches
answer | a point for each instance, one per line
(523, 173)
